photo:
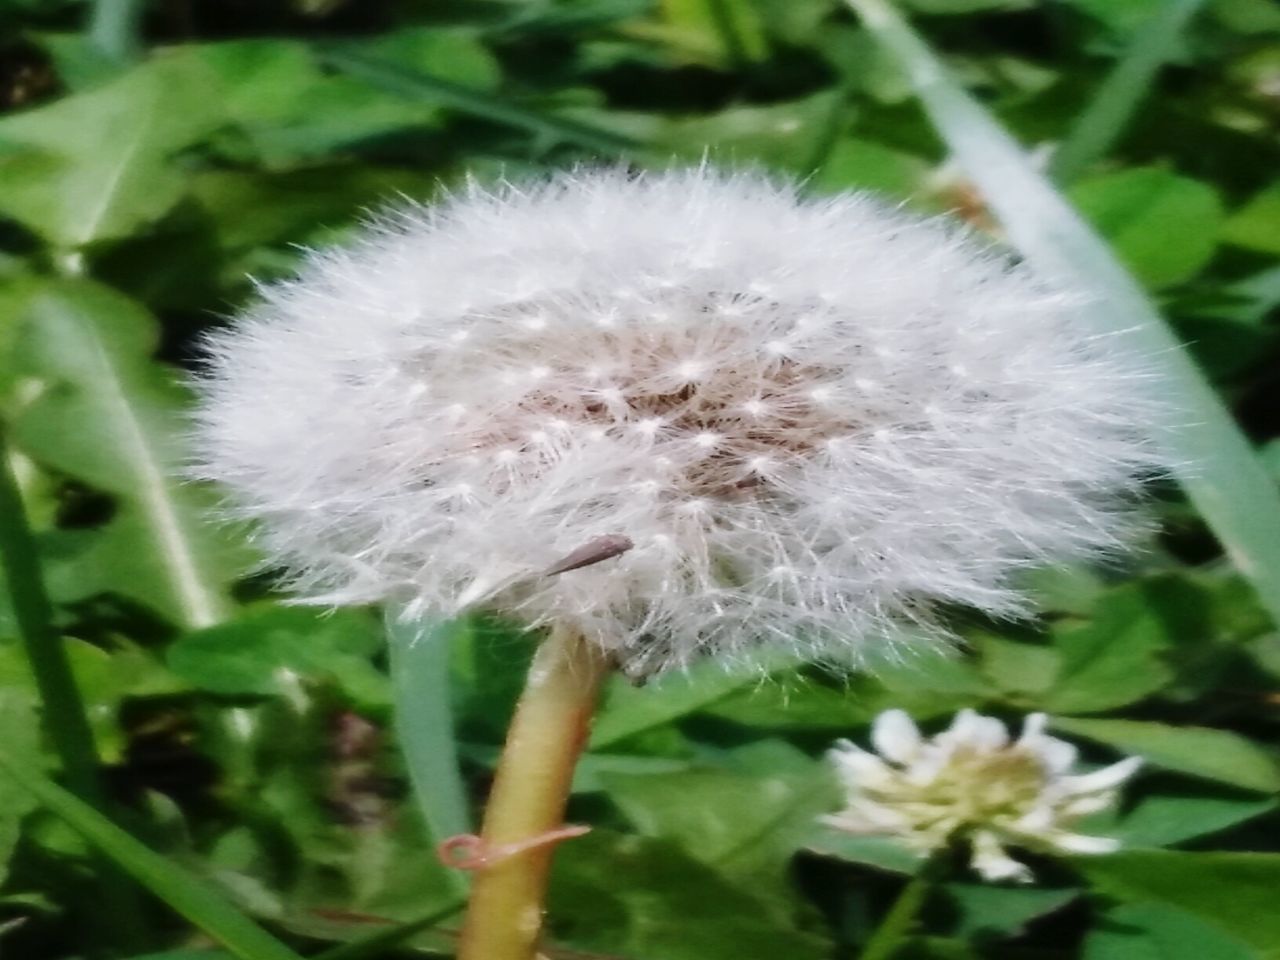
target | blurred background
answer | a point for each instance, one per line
(156, 157)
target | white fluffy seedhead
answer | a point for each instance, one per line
(818, 420)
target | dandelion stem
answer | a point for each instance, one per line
(897, 924)
(552, 720)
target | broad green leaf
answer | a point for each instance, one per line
(188, 895)
(629, 710)
(1234, 893)
(784, 136)
(1149, 931)
(108, 415)
(1212, 458)
(100, 165)
(671, 906)
(289, 108)
(987, 911)
(1162, 820)
(271, 652)
(1256, 225)
(1116, 658)
(1199, 751)
(856, 163)
(883, 853)
(744, 817)
(1138, 210)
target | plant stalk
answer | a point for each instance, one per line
(530, 790)
(897, 923)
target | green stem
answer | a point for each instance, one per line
(530, 790)
(897, 923)
(62, 709)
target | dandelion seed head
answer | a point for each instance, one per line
(708, 363)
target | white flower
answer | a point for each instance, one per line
(972, 784)
(817, 419)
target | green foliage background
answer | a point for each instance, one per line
(154, 157)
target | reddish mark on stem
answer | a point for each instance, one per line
(467, 851)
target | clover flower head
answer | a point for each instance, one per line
(817, 420)
(972, 784)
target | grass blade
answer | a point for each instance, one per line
(415, 84)
(62, 709)
(420, 652)
(1103, 121)
(1215, 462)
(196, 899)
(373, 945)
(64, 715)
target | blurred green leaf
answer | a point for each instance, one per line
(191, 896)
(1231, 892)
(1256, 225)
(987, 911)
(1113, 105)
(275, 651)
(106, 414)
(1199, 751)
(1162, 820)
(419, 86)
(629, 710)
(883, 853)
(1115, 658)
(671, 906)
(100, 165)
(291, 109)
(744, 817)
(1139, 209)
(1150, 931)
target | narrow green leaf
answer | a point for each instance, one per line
(192, 897)
(376, 944)
(1200, 751)
(420, 656)
(1102, 122)
(1212, 458)
(396, 79)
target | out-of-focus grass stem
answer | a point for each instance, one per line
(1101, 124)
(115, 29)
(62, 709)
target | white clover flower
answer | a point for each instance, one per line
(972, 784)
(817, 420)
